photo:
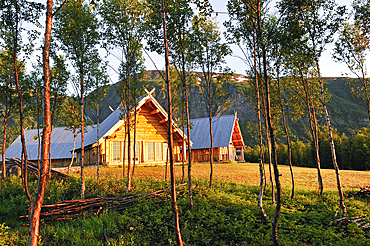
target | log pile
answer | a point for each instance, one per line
(93, 206)
(363, 193)
(358, 220)
(33, 168)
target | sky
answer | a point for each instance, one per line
(329, 68)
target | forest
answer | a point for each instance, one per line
(54, 70)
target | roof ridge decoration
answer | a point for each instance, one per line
(122, 121)
(164, 112)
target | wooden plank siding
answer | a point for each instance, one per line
(238, 143)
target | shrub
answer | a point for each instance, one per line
(4, 238)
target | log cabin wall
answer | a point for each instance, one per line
(202, 155)
(57, 162)
(221, 154)
(151, 142)
(91, 156)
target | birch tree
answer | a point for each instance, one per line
(279, 44)
(319, 21)
(13, 14)
(60, 77)
(178, 21)
(351, 49)
(7, 99)
(304, 97)
(242, 31)
(175, 210)
(262, 45)
(43, 177)
(71, 114)
(36, 82)
(98, 79)
(125, 32)
(76, 28)
(209, 55)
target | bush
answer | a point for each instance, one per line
(252, 155)
(4, 238)
(352, 153)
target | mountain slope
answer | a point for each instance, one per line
(346, 114)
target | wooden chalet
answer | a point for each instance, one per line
(228, 144)
(151, 137)
(150, 146)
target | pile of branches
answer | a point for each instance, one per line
(360, 221)
(93, 206)
(363, 193)
(33, 168)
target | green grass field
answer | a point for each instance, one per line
(225, 215)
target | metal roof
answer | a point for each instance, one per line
(60, 147)
(222, 129)
(104, 127)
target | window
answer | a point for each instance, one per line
(137, 151)
(223, 150)
(150, 151)
(116, 151)
(134, 147)
(158, 152)
(95, 150)
(165, 151)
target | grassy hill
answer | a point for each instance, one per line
(344, 108)
(346, 114)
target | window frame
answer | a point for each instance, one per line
(150, 150)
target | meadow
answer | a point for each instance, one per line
(248, 173)
(225, 215)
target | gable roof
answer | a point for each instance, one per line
(222, 129)
(114, 121)
(61, 144)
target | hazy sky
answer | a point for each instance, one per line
(329, 68)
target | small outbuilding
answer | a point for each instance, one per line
(228, 144)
